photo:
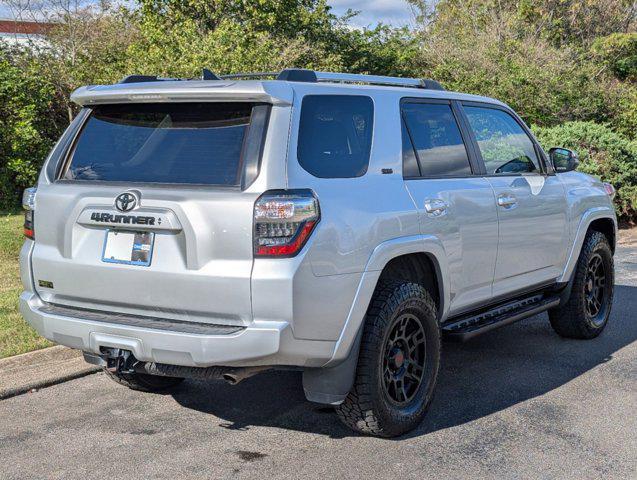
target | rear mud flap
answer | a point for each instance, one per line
(331, 385)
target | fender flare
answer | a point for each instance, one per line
(587, 218)
(332, 382)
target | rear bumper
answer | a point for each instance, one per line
(257, 344)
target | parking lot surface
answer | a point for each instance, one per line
(519, 402)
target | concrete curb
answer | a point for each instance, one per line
(42, 368)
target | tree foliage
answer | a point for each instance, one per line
(28, 126)
(603, 153)
(559, 63)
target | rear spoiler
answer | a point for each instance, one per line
(275, 93)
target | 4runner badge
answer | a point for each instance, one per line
(124, 219)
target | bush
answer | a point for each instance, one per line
(27, 128)
(618, 52)
(603, 153)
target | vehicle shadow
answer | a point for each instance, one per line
(478, 378)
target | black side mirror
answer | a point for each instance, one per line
(564, 160)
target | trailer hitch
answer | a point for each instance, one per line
(118, 360)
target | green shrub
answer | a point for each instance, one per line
(618, 52)
(27, 128)
(603, 153)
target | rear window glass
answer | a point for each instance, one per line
(335, 135)
(191, 143)
(437, 141)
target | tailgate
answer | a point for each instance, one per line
(201, 260)
(150, 214)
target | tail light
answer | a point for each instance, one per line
(28, 204)
(283, 221)
(610, 190)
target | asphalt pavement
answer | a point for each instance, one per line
(519, 402)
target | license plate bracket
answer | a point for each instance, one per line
(128, 247)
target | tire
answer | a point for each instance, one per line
(143, 382)
(585, 313)
(380, 403)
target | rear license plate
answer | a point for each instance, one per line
(130, 248)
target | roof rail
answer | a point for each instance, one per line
(303, 75)
(236, 76)
(205, 75)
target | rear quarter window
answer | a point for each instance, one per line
(335, 135)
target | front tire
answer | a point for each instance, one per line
(144, 382)
(586, 312)
(398, 362)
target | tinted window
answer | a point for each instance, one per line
(505, 146)
(436, 138)
(335, 135)
(193, 143)
(410, 163)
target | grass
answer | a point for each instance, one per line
(16, 336)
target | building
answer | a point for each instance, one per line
(21, 32)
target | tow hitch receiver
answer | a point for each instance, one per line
(118, 360)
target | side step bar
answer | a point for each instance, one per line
(466, 327)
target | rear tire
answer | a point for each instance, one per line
(398, 362)
(143, 382)
(586, 312)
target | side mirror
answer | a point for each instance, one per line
(564, 160)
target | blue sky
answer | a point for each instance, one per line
(396, 12)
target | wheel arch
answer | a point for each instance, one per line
(606, 226)
(601, 219)
(416, 257)
(419, 267)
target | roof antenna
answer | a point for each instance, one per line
(208, 75)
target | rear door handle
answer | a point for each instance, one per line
(507, 200)
(435, 207)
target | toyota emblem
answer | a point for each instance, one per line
(125, 202)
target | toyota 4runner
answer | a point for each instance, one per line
(336, 224)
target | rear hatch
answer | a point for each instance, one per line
(151, 212)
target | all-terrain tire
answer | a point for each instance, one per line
(144, 382)
(369, 407)
(574, 318)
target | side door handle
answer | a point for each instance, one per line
(507, 200)
(435, 207)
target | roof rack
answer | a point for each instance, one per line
(371, 79)
(205, 75)
(303, 75)
(236, 76)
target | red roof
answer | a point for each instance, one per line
(22, 27)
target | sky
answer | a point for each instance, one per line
(396, 12)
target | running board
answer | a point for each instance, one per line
(469, 326)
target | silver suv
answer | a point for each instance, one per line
(336, 224)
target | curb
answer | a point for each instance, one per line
(42, 368)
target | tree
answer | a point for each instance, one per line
(27, 129)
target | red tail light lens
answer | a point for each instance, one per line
(28, 203)
(610, 190)
(283, 221)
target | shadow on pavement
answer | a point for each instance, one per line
(481, 377)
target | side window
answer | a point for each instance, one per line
(435, 136)
(335, 135)
(505, 146)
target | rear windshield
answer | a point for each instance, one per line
(191, 143)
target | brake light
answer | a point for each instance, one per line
(610, 190)
(28, 204)
(283, 221)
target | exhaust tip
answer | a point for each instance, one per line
(230, 378)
